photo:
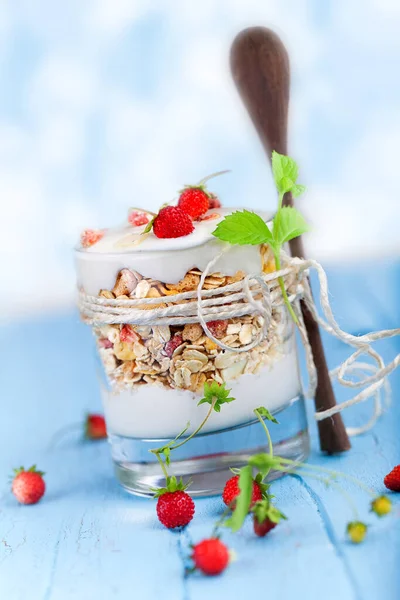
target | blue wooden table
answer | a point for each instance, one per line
(88, 539)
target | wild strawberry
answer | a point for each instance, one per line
(231, 491)
(261, 529)
(95, 427)
(90, 237)
(210, 556)
(194, 201)
(28, 486)
(218, 328)
(128, 334)
(392, 479)
(175, 508)
(266, 516)
(356, 530)
(172, 345)
(137, 218)
(213, 201)
(105, 343)
(381, 506)
(172, 222)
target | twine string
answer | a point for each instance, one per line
(260, 294)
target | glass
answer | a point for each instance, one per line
(152, 376)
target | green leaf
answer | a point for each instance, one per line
(285, 172)
(264, 509)
(275, 515)
(288, 223)
(264, 412)
(149, 226)
(263, 462)
(243, 500)
(297, 190)
(215, 391)
(243, 227)
(167, 455)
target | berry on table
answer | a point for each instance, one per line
(231, 491)
(261, 529)
(356, 530)
(392, 479)
(210, 556)
(95, 427)
(175, 508)
(89, 237)
(172, 222)
(265, 516)
(28, 486)
(381, 506)
(194, 201)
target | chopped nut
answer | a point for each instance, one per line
(245, 335)
(107, 294)
(192, 332)
(142, 289)
(126, 282)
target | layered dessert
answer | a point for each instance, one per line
(154, 374)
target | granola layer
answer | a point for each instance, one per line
(182, 356)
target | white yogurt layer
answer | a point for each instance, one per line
(151, 412)
(166, 260)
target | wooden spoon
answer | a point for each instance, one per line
(260, 69)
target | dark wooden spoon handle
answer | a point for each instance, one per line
(260, 69)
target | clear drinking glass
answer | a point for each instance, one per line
(152, 376)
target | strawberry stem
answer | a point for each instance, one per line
(283, 290)
(162, 465)
(174, 447)
(217, 174)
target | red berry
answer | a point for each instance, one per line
(392, 480)
(90, 237)
(175, 509)
(214, 202)
(231, 491)
(194, 201)
(128, 334)
(95, 427)
(218, 328)
(28, 486)
(172, 345)
(261, 529)
(137, 218)
(172, 222)
(210, 556)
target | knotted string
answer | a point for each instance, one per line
(260, 294)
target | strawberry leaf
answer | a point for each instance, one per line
(288, 223)
(218, 392)
(243, 500)
(263, 462)
(264, 412)
(243, 228)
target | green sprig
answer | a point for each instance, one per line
(248, 228)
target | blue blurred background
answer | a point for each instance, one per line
(111, 103)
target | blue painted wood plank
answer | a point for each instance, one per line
(89, 539)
